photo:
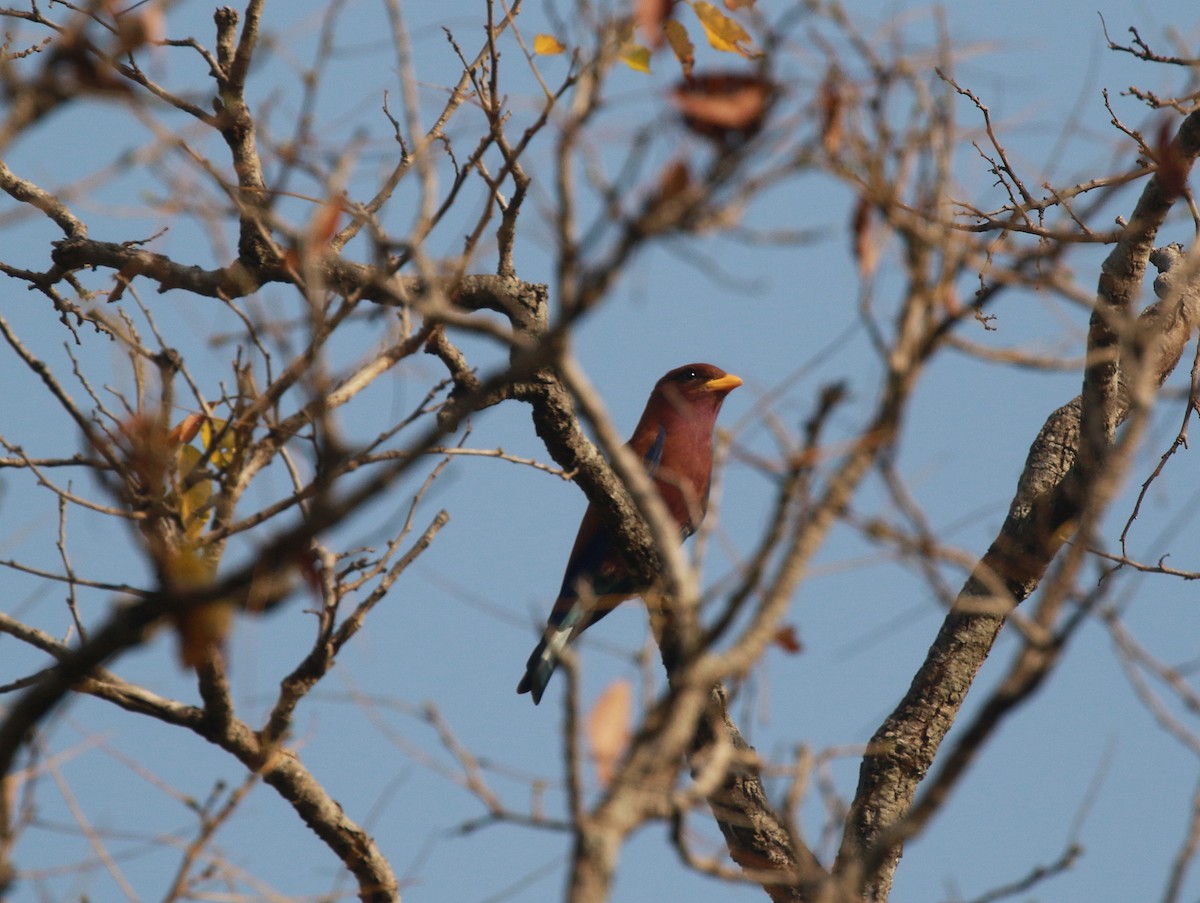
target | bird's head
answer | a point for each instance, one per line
(695, 388)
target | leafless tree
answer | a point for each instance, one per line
(179, 459)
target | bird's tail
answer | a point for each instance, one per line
(543, 661)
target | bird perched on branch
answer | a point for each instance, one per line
(674, 439)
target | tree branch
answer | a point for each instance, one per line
(1050, 498)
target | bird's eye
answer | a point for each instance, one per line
(691, 374)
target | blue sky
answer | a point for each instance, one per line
(1084, 761)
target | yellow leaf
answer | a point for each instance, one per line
(635, 56)
(195, 497)
(547, 45)
(681, 44)
(735, 5)
(187, 568)
(723, 33)
(222, 455)
(608, 728)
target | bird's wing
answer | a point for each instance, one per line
(653, 457)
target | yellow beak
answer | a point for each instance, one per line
(726, 383)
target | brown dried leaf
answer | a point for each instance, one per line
(669, 199)
(202, 632)
(788, 640)
(1172, 165)
(681, 46)
(148, 450)
(723, 105)
(832, 103)
(651, 17)
(863, 238)
(143, 25)
(676, 178)
(947, 296)
(608, 729)
(123, 277)
(308, 563)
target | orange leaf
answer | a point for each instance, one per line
(608, 728)
(185, 430)
(321, 229)
(735, 5)
(324, 222)
(787, 639)
(681, 45)
(547, 45)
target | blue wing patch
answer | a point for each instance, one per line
(654, 455)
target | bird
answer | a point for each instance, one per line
(674, 439)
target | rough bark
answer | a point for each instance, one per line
(1051, 496)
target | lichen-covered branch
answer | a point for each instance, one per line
(1050, 498)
